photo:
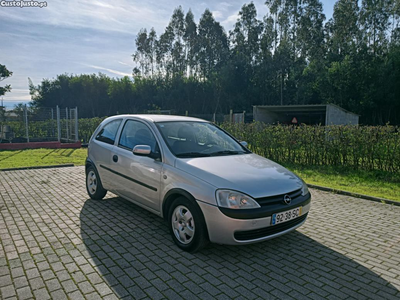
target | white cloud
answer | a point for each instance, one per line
(229, 22)
(17, 95)
(217, 14)
(125, 64)
(110, 70)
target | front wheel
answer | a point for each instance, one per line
(187, 225)
(93, 184)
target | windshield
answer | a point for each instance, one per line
(198, 139)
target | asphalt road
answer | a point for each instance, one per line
(56, 243)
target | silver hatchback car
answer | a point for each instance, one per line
(201, 180)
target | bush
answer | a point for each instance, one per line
(86, 127)
(358, 147)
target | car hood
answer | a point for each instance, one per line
(248, 173)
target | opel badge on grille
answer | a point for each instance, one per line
(287, 199)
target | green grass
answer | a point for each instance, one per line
(41, 157)
(373, 183)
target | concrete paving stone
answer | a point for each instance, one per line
(176, 285)
(186, 294)
(4, 270)
(86, 287)
(36, 283)
(5, 280)
(53, 284)
(76, 295)
(171, 294)
(63, 275)
(136, 292)
(148, 274)
(159, 284)
(153, 293)
(58, 294)
(103, 289)
(32, 273)
(41, 294)
(16, 272)
(112, 297)
(24, 293)
(93, 296)
(47, 275)
(164, 276)
(20, 282)
(7, 291)
(44, 265)
(78, 277)
(126, 281)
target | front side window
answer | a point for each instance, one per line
(108, 132)
(137, 133)
(198, 139)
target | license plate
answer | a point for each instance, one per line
(285, 216)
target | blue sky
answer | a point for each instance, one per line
(90, 36)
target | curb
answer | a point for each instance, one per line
(361, 196)
(38, 167)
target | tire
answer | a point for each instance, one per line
(94, 187)
(187, 226)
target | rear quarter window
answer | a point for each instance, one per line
(108, 133)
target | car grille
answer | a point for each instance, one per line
(272, 200)
(267, 231)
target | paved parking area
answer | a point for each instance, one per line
(56, 243)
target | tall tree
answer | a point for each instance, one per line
(191, 44)
(375, 23)
(213, 45)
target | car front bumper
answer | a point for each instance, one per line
(231, 231)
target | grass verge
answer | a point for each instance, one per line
(373, 183)
(41, 157)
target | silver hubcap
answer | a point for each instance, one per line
(183, 224)
(91, 182)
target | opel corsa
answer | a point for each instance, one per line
(207, 185)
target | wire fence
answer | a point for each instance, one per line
(27, 125)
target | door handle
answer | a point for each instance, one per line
(115, 158)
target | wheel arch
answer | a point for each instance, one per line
(90, 163)
(170, 196)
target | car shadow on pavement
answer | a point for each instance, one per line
(133, 251)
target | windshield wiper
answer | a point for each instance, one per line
(226, 152)
(192, 154)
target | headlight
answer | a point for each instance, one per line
(304, 189)
(235, 200)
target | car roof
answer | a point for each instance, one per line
(160, 118)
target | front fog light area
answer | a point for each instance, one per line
(235, 200)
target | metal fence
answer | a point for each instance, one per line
(27, 124)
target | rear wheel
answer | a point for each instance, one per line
(93, 184)
(187, 225)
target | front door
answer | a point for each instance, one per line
(137, 177)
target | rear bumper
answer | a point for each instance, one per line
(229, 231)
